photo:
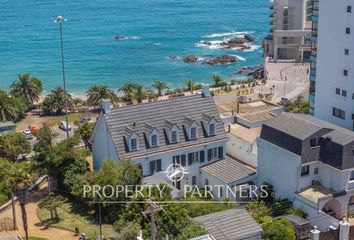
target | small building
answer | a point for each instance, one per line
(7, 127)
(310, 162)
(233, 224)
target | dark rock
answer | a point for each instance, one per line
(173, 57)
(224, 59)
(190, 59)
(120, 38)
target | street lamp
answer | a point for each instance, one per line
(60, 20)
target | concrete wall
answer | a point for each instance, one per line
(331, 61)
(242, 150)
(278, 167)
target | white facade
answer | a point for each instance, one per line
(243, 150)
(334, 80)
(290, 30)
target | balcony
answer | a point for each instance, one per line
(313, 58)
(271, 15)
(313, 77)
(313, 39)
(314, 18)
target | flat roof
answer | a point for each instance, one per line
(249, 107)
(315, 192)
(257, 116)
(230, 225)
(228, 170)
(247, 134)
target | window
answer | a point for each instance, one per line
(194, 180)
(314, 142)
(345, 72)
(347, 30)
(176, 160)
(133, 144)
(173, 136)
(349, 9)
(351, 175)
(346, 52)
(193, 158)
(155, 166)
(353, 96)
(337, 91)
(339, 113)
(193, 133)
(344, 93)
(315, 171)
(211, 129)
(305, 170)
(206, 181)
(153, 140)
(212, 153)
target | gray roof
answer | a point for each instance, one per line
(228, 170)
(230, 225)
(302, 126)
(162, 115)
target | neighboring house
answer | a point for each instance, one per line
(228, 174)
(185, 130)
(7, 127)
(242, 143)
(310, 162)
(234, 224)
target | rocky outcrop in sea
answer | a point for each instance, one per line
(222, 60)
(238, 43)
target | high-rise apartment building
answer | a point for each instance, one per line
(289, 36)
(332, 62)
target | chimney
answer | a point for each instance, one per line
(237, 107)
(106, 106)
(229, 128)
(205, 90)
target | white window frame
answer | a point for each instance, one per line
(131, 144)
(152, 142)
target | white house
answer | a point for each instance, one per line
(310, 162)
(185, 130)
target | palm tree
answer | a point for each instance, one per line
(27, 87)
(160, 86)
(97, 93)
(55, 101)
(19, 179)
(190, 85)
(85, 130)
(140, 93)
(127, 90)
(10, 108)
(217, 80)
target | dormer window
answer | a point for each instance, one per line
(193, 133)
(133, 144)
(153, 140)
(211, 129)
(174, 136)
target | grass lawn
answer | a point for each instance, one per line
(52, 121)
(71, 216)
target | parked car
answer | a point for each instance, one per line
(86, 120)
(28, 134)
(64, 126)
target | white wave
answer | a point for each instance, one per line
(252, 48)
(157, 44)
(239, 57)
(133, 37)
(226, 34)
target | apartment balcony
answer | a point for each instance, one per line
(271, 23)
(314, 18)
(313, 77)
(313, 58)
(313, 39)
(271, 15)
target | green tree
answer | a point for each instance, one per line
(127, 231)
(51, 203)
(55, 101)
(44, 138)
(127, 89)
(97, 93)
(85, 130)
(10, 107)
(300, 105)
(279, 229)
(140, 93)
(12, 145)
(19, 178)
(190, 85)
(27, 87)
(218, 82)
(160, 86)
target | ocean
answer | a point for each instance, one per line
(153, 31)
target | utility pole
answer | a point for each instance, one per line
(100, 219)
(152, 210)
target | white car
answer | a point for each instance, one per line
(27, 134)
(64, 126)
